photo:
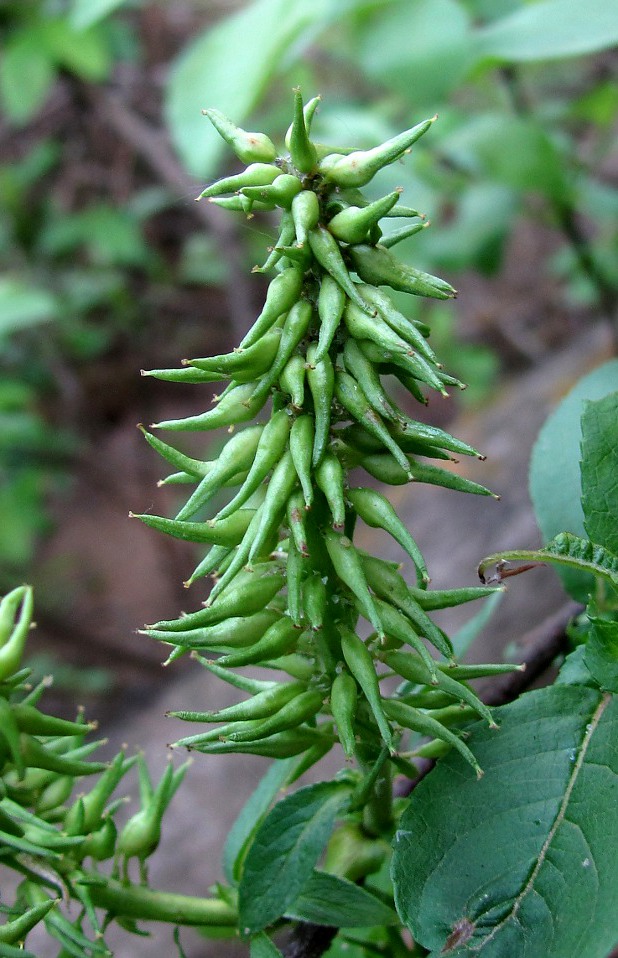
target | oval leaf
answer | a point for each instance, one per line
(599, 469)
(285, 850)
(524, 862)
(330, 900)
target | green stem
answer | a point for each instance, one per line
(134, 901)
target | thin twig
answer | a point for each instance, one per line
(154, 150)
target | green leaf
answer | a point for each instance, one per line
(26, 76)
(524, 862)
(85, 13)
(252, 814)
(422, 46)
(599, 470)
(22, 306)
(285, 851)
(229, 67)
(554, 28)
(330, 900)
(555, 483)
(262, 947)
(601, 654)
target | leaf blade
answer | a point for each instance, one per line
(599, 470)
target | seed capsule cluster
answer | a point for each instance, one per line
(289, 582)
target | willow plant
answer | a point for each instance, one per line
(293, 592)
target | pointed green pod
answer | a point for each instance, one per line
(398, 236)
(236, 632)
(36, 755)
(329, 477)
(280, 745)
(186, 375)
(385, 468)
(398, 627)
(305, 214)
(14, 630)
(411, 668)
(354, 223)
(281, 295)
(236, 456)
(292, 380)
(302, 707)
(360, 664)
(377, 512)
(343, 703)
(247, 599)
(348, 566)
(397, 321)
(433, 599)
(368, 379)
(295, 572)
(286, 236)
(269, 450)
(409, 717)
(315, 601)
(13, 932)
(279, 489)
(196, 468)
(302, 150)
(262, 705)
(242, 682)
(295, 511)
(309, 110)
(326, 250)
(295, 328)
(359, 168)
(256, 174)
(227, 532)
(235, 407)
(351, 396)
(331, 303)
(239, 558)
(321, 379)
(302, 437)
(279, 639)
(242, 204)
(248, 147)
(378, 267)
(209, 564)
(281, 191)
(256, 359)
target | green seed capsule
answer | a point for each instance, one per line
(237, 632)
(262, 705)
(377, 512)
(343, 702)
(329, 477)
(281, 295)
(256, 174)
(348, 566)
(350, 395)
(13, 634)
(448, 598)
(378, 267)
(411, 668)
(281, 745)
(397, 236)
(279, 490)
(302, 150)
(295, 571)
(294, 330)
(235, 407)
(242, 204)
(360, 664)
(321, 379)
(286, 236)
(314, 601)
(281, 191)
(354, 223)
(368, 379)
(403, 327)
(194, 467)
(326, 250)
(295, 512)
(227, 532)
(13, 932)
(279, 639)
(302, 439)
(308, 113)
(292, 380)
(409, 717)
(302, 707)
(306, 214)
(36, 755)
(359, 168)
(187, 375)
(399, 628)
(385, 468)
(248, 147)
(247, 599)
(236, 456)
(209, 564)
(269, 450)
(388, 344)
(256, 358)
(331, 303)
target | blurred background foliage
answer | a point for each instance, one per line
(107, 265)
